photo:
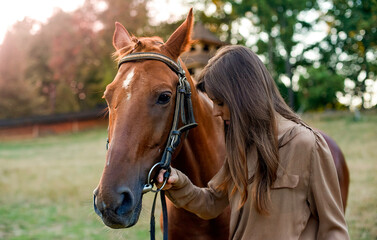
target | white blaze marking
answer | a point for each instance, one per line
(128, 80)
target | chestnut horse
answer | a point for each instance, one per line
(141, 102)
(341, 168)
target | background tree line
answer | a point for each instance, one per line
(65, 64)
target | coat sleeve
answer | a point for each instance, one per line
(207, 203)
(324, 193)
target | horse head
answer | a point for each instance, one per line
(141, 102)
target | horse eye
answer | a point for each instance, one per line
(164, 98)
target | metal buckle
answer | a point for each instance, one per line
(148, 187)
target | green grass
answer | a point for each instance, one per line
(358, 141)
(46, 189)
(46, 183)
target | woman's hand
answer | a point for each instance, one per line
(173, 178)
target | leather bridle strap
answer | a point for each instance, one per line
(183, 107)
(152, 56)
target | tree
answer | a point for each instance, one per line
(65, 65)
(65, 58)
(318, 89)
(350, 49)
(18, 96)
(275, 22)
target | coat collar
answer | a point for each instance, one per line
(287, 129)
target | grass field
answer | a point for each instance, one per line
(46, 183)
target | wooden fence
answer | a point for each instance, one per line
(53, 124)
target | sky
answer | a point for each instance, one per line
(12, 11)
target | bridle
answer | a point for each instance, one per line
(183, 108)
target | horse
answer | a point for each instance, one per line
(141, 102)
(341, 168)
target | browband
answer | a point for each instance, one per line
(152, 56)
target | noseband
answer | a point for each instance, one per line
(183, 108)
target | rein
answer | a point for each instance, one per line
(183, 108)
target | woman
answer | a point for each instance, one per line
(278, 178)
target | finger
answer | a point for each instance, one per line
(172, 179)
(160, 177)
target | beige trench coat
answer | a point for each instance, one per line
(305, 199)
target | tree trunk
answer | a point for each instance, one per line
(271, 57)
(52, 97)
(288, 71)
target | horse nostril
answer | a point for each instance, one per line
(96, 210)
(127, 201)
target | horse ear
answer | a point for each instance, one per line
(180, 40)
(121, 37)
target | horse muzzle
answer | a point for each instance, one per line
(120, 210)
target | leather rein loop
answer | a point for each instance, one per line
(184, 109)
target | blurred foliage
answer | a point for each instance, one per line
(278, 21)
(63, 65)
(18, 95)
(66, 64)
(276, 31)
(318, 89)
(350, 48)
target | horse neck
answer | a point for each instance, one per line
(203, 151)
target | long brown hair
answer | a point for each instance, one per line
(238, 78)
